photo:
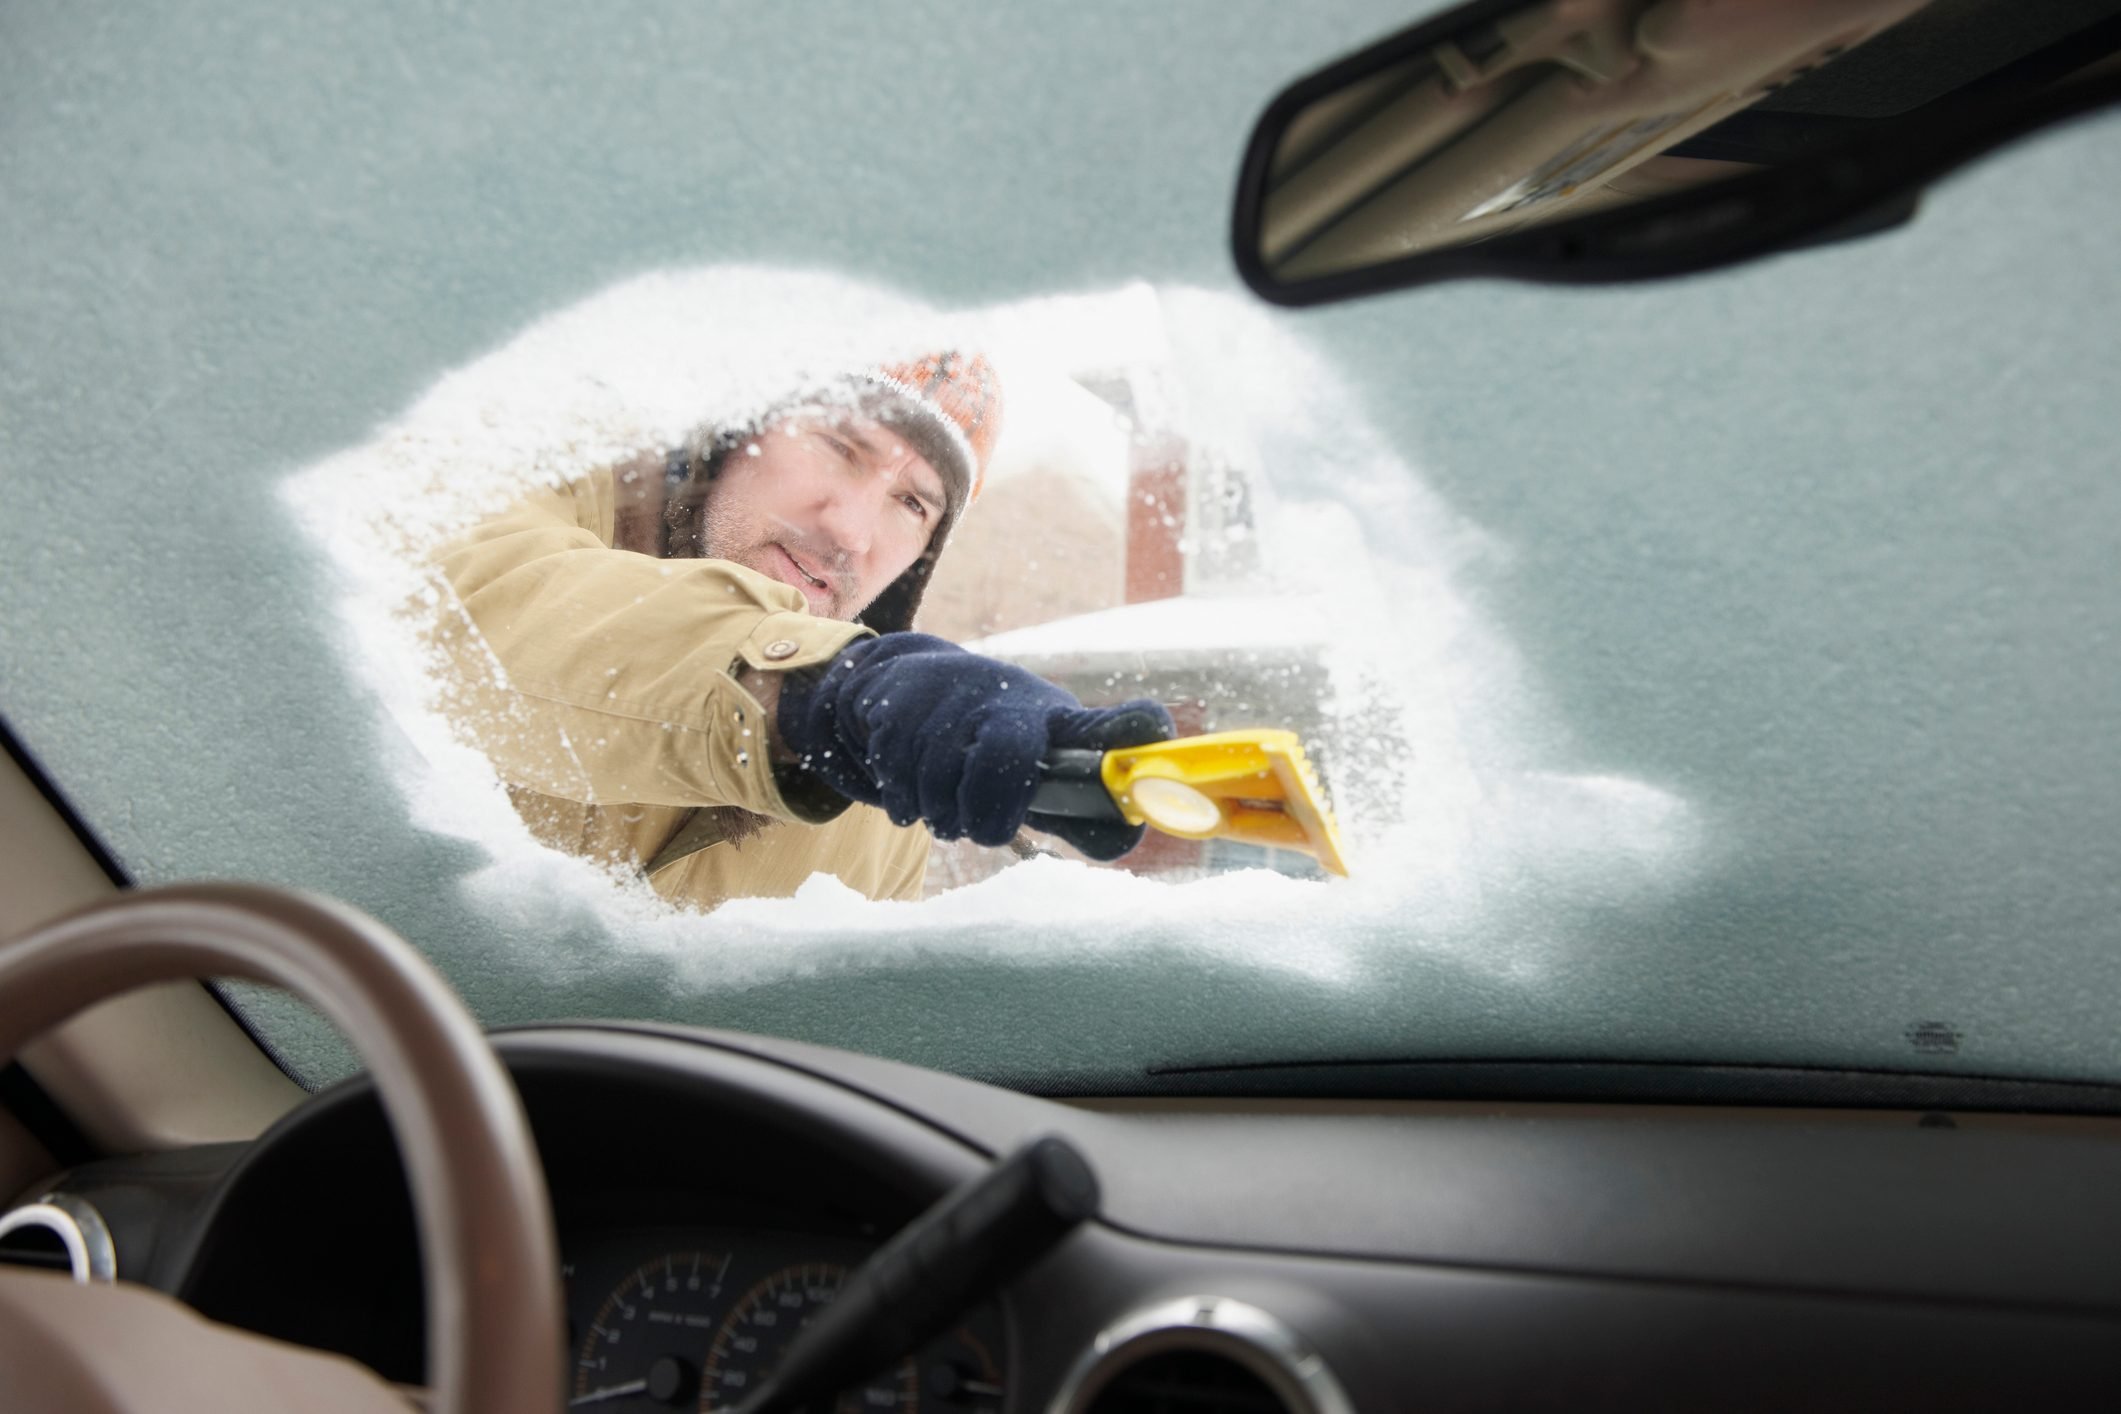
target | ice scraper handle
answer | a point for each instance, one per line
(1072, 800)
(1085, 786)
(1072, 785)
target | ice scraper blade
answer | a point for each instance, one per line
(1251, 786)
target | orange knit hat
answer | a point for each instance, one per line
(956, 400)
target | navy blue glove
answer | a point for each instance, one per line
(931, 732)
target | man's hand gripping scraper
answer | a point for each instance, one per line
(928, 731)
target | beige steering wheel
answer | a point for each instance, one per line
(494, 1324)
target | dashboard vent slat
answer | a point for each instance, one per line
(37, 1249)
(1187, 1382)
(58, 1232)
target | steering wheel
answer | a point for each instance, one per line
(494, 1324)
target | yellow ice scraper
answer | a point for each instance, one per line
(1253, 786)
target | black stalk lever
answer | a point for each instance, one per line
(979, 1236)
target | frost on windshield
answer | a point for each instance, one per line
(1184, 502)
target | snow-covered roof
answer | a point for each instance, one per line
(1190, 628)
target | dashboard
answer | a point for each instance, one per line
(711, 1191)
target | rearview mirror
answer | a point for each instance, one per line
(1584, 141)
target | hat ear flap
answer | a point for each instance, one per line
(892, 611)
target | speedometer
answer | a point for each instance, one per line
(765, 1320)
(642, 1350)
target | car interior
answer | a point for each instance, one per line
(638, 1214)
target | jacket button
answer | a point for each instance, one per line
(781, 648)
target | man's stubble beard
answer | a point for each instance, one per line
(719, 531)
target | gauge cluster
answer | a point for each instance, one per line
(693, 1318)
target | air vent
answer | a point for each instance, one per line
(38, 1248)
(1186, 1382)
(1201, 1355)
(58, 1232)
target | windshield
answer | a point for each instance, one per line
(1708, 671)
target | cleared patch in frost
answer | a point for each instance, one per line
(1460, 841)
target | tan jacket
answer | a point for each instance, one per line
(599, 682)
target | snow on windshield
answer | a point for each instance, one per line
(1184, 501)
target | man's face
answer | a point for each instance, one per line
(834, 503)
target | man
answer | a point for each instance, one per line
(700, 665)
